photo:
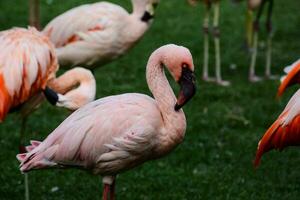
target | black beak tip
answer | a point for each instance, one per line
(177, 107)
(51, 96)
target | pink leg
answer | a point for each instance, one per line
(105, 191)
(112, 191)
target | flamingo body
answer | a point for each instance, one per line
(116, 133)
(119, 141)
(92, 35)
(285, 131)
(26, 64)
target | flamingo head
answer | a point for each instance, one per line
(179, 62)
(147, 7)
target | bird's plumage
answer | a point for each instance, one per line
(94, 34)
(285, 131)
(27, 62)
(116, 127)
(292, 76)
(119, 132)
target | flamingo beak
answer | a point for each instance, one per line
(187, 87)
(51, 95)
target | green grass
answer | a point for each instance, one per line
(224, 124)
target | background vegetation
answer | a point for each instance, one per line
(224, 124)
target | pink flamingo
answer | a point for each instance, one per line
(117, 133)
(216, 35)
(28, 65)
(252, 35)
(285, 131)
(92, 35)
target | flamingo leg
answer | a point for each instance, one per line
(252, 76)
(269, 42)
(23, 150)
(249, 28)
(112, 190)
(216, 34)
(34, 13)
(206, 43)
(106, 190)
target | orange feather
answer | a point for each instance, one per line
(5, 99)
(292, 78)
(75, 38)
(279, 137)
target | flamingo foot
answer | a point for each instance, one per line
(208, 79)
(223, 83)
(254, 79)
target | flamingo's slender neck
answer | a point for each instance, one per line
(77, 85)
(139, 7)
(174, 121)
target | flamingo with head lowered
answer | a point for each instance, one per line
(28, 66)
(117, 133)
(285, 131)
(92, 35)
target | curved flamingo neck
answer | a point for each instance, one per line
(174, 121)
(77, 85)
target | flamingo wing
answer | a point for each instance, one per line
(285, 131)
(27, 62)
(81, 23)
(292, 77)
(107, 136)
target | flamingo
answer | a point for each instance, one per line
(117, 133)
(285, 131)
(216, 35)
(252, 36)
(92, 35)
(28, 65)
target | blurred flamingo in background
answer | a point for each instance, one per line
(285, 131)
(216, 34)
(92, 35)
(252, 35)
(28, 65)
(146, 128)
(34, 13)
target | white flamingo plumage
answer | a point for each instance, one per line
(119, 132)
(92, 35)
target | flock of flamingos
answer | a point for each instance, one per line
(116, 133)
